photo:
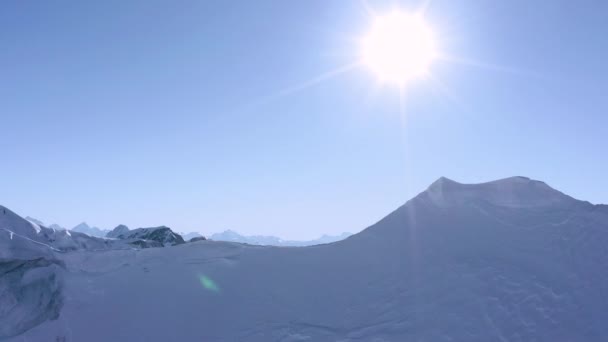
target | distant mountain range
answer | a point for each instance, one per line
(227, 235)
(80, 228)
(268, 240)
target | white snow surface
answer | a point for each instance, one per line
(511, 260)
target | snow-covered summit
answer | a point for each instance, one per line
(117, 232)
(91, 231)
(507, 192)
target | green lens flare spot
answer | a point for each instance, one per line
(208, 283)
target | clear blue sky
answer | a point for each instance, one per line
(149, 112)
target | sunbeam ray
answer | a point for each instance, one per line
(439, 86)
(316, 80)
(487, 66)
(307, 84)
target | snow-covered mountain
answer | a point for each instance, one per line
(56, 227)
(509, 260)
(147, 237)
(267, 240)
(91, 231)
(80, 228)
(40, 223)
(36, 221)
(119, 231)
(29, 231)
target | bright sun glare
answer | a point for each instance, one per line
(399, 48)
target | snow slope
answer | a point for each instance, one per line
(20, 238)
(510, 260)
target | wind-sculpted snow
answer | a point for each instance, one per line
(456, 263)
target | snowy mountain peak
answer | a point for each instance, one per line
(442, 183)
(121, 229)
(91, 231)
(82, 225)
(508, 192)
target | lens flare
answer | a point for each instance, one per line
(208, 283)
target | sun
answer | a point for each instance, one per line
(399, 48)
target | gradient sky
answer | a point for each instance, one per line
(190, 114)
